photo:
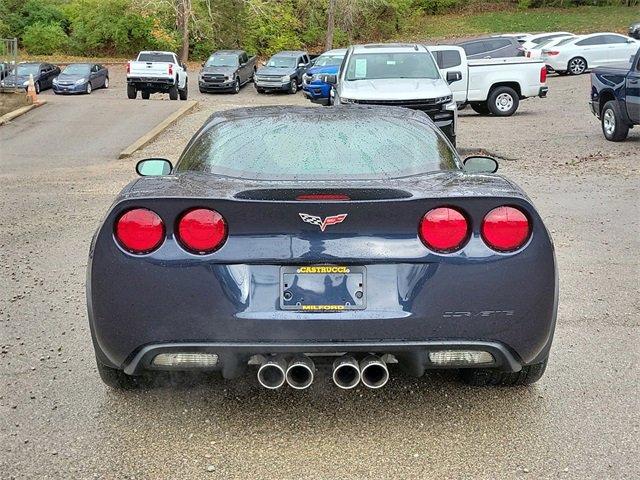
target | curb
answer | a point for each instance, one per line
(157, 130)
(7, 117)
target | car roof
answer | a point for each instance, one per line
(290, 53)
(228, 52)
(544, 34)
(335, 51)
(156, 51)
(390, 47)
(31, 63)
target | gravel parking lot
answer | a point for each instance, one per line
(57, 420)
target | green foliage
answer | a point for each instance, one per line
(439, 6)
(272, 26)
(44, 38)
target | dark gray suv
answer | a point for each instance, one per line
(492, 47)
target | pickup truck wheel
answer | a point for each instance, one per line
(236, 86)
(614, 127)
(173, 92)
(480, 108)
(259, 90)
(503, 101)
(480, 377)
(184, 93)
(577, 66)
(145, 95)
(131, 92)
(293, 87)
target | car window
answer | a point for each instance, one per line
(448, 58)
(244, 58)
(610, 39)
(474, 48)
(156, 57)
(597, 40)
(309, 146)
(306, 59)
(565, 41)
(496, 43)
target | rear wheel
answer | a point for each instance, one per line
(480, 377)
(577, 66)
(480, 107)
(145, 95)
(614, 127)
(131, 92)
(503, 101)
(173, 92)
(184, 93)
(37, 87)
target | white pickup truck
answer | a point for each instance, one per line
(493, 85)
(154, 72)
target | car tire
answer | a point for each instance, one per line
(480, 107)
(184, 93)
(503, 101)
(106, 83)
(117, 379)
(577, 66)
(253, 75)
(236, 86)
(173, 92)
(293, 87)
(145, 95)
(481, 377)
(614, 127)
(131, 92)
(88, 89)
(37, 87)
(260, 90)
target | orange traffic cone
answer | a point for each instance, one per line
(31, 90)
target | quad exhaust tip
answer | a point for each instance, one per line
(272, 372)
(346, 372)
(374, 372)
(300, 372)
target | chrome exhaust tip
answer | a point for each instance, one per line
(272, 371)
(346, 372)
(374, 372)
(300, 372)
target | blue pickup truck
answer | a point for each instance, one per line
(615, 98)
(328, 63)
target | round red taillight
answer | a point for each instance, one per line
(444, 229)
(202, 230)
(139, 230)
(505, 229)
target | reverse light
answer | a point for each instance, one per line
(460, 357)
(139, 230)
(505, 229)
(195, 360)
(444, 229)
(202, 230)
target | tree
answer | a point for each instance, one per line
(331, 9)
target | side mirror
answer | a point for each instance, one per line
(330, 79)
(454, 77)
(480, 164)
(153, 167)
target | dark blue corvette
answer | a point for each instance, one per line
(370, 244)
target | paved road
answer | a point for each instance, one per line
(580, 421)
(77, 130)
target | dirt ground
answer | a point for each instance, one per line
(57, 420)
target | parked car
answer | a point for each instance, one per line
(154, 72)
(520, 37)
(538, 38)
(81, 78)
(283, 72)
(576, 55)
(536, 52)
(634, 30)
(254, 253)
(399, 75)
(492, 47)
(313, 85)
(615, 98)
(226, 70)
(43, 75)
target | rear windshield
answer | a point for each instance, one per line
(315, 147)
(156, 57)
(371, 66)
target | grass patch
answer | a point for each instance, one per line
(577, 20)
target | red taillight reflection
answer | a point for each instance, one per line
(139, 230)
(202, 230)
(505, 229)
(444, 229)
(543, 75)
(324, 197)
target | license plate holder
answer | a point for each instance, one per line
(322, 288)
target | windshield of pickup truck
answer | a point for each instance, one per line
(328, 60)
(372, 66)
(310, 146)
(222, 61)
(156, 57)
(282, 62)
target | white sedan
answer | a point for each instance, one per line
(576, 55)
(536, 52)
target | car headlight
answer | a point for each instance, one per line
(445, 99)
(55, 80)
(81, 81)
(347, 100)
(25, 83)
(285, 78)
(451, 106)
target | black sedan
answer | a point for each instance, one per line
(81, 78)
(286, 238)
(43, 76)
